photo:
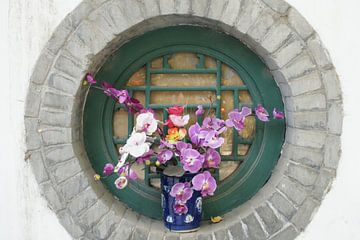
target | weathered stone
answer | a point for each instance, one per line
(282, 205)
(332, 151)
(304, 155)
(171, 236)
(332, 85)
(204, 236)
(60, 36)
(157, 230)
(304, 84)
(250, 11)
(64, 84)
(117, 17)
(304, 175)
(236, 231)
(106, 226)
(183, 6)
(57, 154)
(126, 226)
(42, 67)
(315, 101)
(55, 202)
(262, 25)
(286, 234)
(221, 234)
(288, 52)
(69, 66)
(81, 12)
(318, 51)
(151, 8)
(73, 186)
(255, 230)
(58, 101)
(82, 201)
(70, 224)
(102, 24)
(292, 190)
(230, 12)
(53, 118)
(322, 184)
(298, 67)
(92, 215)
(305, 138)
(299, 23)
(335, 116)
(142, 229)
(37, 165)
(304, 214)
(53, 136)
(66, 170)
(33, 100)
(308, 120)
(277, 5)
(276, 37)
(216, 9)
(32, 138)
(167, 6)
(268, 217)
(200, 7)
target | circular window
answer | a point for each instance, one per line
(187, 65)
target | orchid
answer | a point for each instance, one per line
(128, 172)
(205, 183)
(237, 119)
(180, 208)
(175, 134)
(121, 182)
(164, 156)
(181, 192)
(108, 169)
(261, 113)
(90, 79)
(192, 160)
(212, 140)
(179, 121)
(121, 162)
(146, 156)
(145, 122)
(212, 159)
(176, 110)
(136, 145)
(194, 133)
(182, 145)
(200, 111)
(278, 114)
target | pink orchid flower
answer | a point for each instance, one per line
(205, 183)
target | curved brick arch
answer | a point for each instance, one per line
(273, 29)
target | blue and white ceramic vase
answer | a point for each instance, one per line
(187, 222)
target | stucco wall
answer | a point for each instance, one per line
(24, 214)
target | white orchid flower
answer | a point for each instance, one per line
(145, 122)
(136, 145)
(121, 162)
(180, 121)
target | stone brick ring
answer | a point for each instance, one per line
(274, 30)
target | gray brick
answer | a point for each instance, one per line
(142, 229)
(288, 52)
(262, 25)
(305, 138)
(286, 234)
(318, 51)
(204, 236)
(42, 67)
(53, 136)
(183, 6)
(117, 17)
(60, 36)
(66, 170)
(254, 228)
(237, 232)
(230, 12)
(57, 154)
(58, 101)
(33, 100)
(292, 190)
(73, 186)
(250, 11)
(126, 226)
(315, 101)
(298, 67)
(70, 224)
(102, 24)
(199, 7)
(81, 12)
(304, 84)
(282, 205)
(304, 155)
(107, 225)
(332, 84)
(61, 83)
(151, 8)
(167, 6)
(54, 201)
(221, 234)
(155, 235)
(332, 151)
(32, 137)
(69, 66)
(276, 37)
(304, 213)
(335, 117)
(299, 23)
(277, 5)
(271, 221)
(82, 201)
(157, 230)
(53, 118)
(37, 165)
(171, 236)
(308, 120)
(304, 175)
(93, 215)
(215, 9)
(322, 184)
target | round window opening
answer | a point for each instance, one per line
(191, 66)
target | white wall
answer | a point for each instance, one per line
(25, 27)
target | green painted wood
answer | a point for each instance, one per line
(265, 148)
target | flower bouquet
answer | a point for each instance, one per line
(185, 156)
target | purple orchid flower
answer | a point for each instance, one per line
(212, 159)
(108, 169)
(213, 123)
(181, 192)
(106, 88)
(180, 208)
(122, 95)
(146, 156)
(212, 140)
(164, 156)
(237, 119)
(205, 183)
(200, 111)
(261, 113)
(90, 79)
(128, 172)
(194, 133)
(182, 145)
(133, 105)
(278, 114)
(192, 160)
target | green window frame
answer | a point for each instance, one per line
(266, 144)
